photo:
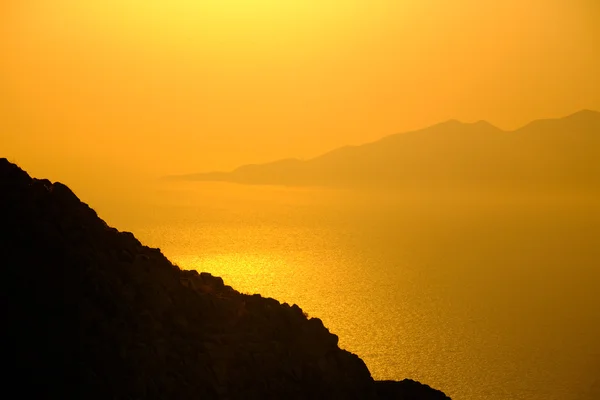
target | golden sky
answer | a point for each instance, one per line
(154, 87)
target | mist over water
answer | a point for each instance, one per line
(481, 296)
(486, 287)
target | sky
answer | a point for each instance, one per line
(109, 90)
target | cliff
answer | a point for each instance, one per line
(90, 312)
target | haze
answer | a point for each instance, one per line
(146, 88)
(463, 254)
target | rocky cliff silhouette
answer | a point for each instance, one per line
(554, 154)
(91, 313)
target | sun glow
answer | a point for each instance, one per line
(463, 256)
(246, 272)
(158, 87)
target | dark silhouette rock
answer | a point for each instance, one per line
(407, 389)
(89, 312)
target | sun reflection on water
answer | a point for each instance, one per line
(247, 273)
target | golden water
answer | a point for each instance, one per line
(482, 297)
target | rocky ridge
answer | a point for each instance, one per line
(92, 313)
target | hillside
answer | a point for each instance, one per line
(554, 154)
(90, 312)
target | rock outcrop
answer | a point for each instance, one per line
(89, 312)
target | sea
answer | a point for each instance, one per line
(483, 295)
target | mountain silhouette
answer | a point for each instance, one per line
(545, 154)
(91, 313)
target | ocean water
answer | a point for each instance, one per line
(484, 297)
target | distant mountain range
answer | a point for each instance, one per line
(553, 153)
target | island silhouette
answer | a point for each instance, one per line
(545, 155)
(91, 313)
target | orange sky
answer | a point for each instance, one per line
(100, 88)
